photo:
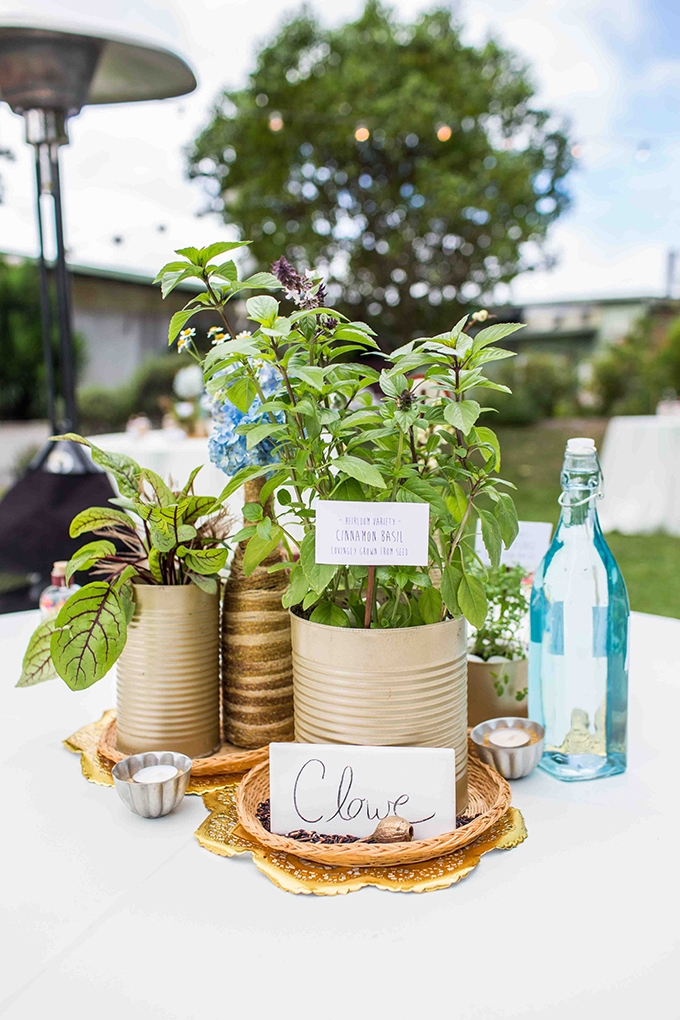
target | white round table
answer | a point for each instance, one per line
(109, 915)
(641, 467)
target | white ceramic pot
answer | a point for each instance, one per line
(168, 673)
(496, 688)
(401, 687)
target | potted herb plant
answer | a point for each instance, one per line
(153, 607)
(497, 662)
(379, 654)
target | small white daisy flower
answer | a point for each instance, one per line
(245, 334)
(185, 338)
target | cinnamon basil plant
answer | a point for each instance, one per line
(154, 535)
(297, 405)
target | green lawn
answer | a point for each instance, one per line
(532, 458)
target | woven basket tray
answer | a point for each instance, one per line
(488, 798)
(227, 760)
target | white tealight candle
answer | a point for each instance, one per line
(155, 774)
(507, 737)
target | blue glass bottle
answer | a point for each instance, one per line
(578, 665)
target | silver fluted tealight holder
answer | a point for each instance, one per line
(152, 800)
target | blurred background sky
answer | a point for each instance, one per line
(612, 67)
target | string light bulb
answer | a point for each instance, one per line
(275, 122)
(577, 151)
(444, 132)
(362, 134)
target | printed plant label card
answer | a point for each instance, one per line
(527, 550)
(339, 789)
(349, 532)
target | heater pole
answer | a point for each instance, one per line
(45, 309)
(68, 385)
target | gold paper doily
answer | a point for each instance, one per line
(97, 769)
(222, 834)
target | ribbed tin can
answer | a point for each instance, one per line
(404, 687)
(168, 673)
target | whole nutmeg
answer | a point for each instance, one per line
(392, 829)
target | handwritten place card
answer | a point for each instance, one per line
(372, 533)
(345, 790)
(527, 550)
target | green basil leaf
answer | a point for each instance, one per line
(203, 255)
(491, 535)
(310, 599)
(493, 333)
(262, 280)
(297, 588)
(450, 583)
(348, 489)
(487, 436)
(252, 512)
(456, 501)
(260, 432)
(263, 309)
(319, 575)
(472, 600)
(264, 528)
(312, 375)
(506, 515)
(430, 605)
(330, 615)
(242, 394)
(366, 473)
(462, 414)
(258, 549)
(427, 492)
(179, 321)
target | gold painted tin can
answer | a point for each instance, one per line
(168, 673)
(404, 687)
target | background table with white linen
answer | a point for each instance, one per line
(641, 468)
(108, 915)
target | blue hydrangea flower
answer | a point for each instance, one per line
(227, 448)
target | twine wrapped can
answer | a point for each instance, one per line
(404, 687)
(168, 673)
(257, 672)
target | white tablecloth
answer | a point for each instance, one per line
(581, 920)
(641, 466)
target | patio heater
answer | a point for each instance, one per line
(47, 76)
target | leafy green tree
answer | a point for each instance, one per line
(23, 376)
(22, 381)
(413, 167)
